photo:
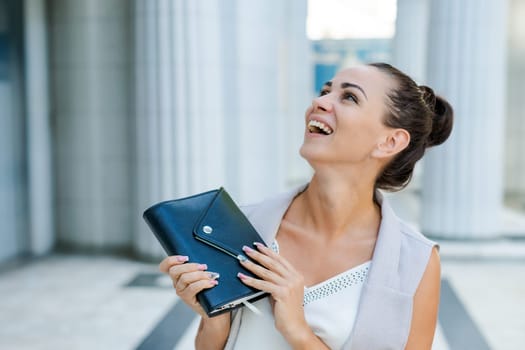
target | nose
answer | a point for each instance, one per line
(323, 103)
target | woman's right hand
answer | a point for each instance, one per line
(189, 279)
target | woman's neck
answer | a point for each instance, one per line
(336, 206)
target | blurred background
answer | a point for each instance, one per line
(108, 106)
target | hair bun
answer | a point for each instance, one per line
(442, 121)
(442, 116)
(428, 96)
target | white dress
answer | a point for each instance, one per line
(330, 309)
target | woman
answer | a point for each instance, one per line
(343, 271)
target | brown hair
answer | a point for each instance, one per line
(427, 118)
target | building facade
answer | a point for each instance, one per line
(108, 106)
(111, 106)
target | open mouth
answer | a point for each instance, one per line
(317, 127)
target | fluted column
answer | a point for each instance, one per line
(409, 51)
(261, 123)
(272, 72)
(296, 75)
(13, 187)
(515, 129)
(40, 184)
(90, 74)
(266, 90)
(410, 41)
(462, 185)
(180, 127)
(217, 87)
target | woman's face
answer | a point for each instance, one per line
(344, 124)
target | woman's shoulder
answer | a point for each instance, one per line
(414, 249)
(415, 254)
(413, 235)
(409, 233)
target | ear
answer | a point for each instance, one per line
(393, 143)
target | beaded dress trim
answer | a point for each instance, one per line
(354, 276)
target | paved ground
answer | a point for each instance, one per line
(85, 302)
(104, 302)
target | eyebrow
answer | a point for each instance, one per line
(347, 85)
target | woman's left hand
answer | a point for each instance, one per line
(286, 286)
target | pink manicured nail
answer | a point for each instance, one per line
(241, 275)
(183, 258)
(203, 267)
(214, 275)
(247, 249)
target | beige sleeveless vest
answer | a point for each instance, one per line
(398, 263)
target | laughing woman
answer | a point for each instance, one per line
(343, 271)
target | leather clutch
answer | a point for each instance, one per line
(211, 229)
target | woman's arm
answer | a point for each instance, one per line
(213, 332)
(426, 303)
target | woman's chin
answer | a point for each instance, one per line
(312, 153)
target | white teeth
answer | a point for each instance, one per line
(320, 125)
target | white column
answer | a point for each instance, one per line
(462, 187)
(90, 67)
(218, 84)
(515, 128)
(410, 41)
(296, 88)
(180, 127)
(409, 49)
(40, 192)
(273, 74)
(261, 126)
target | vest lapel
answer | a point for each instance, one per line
(266, 217)
(384, 315)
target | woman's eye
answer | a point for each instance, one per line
(323, 92)
(349, 96)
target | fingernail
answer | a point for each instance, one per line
(203, 267)
(241, 275)
(247, 249)
(257, 244)
(214, 275)
(214, 282)
(241, 258)
(182, 258)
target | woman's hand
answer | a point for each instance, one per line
(188, 280)
(286, 285)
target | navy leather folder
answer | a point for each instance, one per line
(211, 229)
